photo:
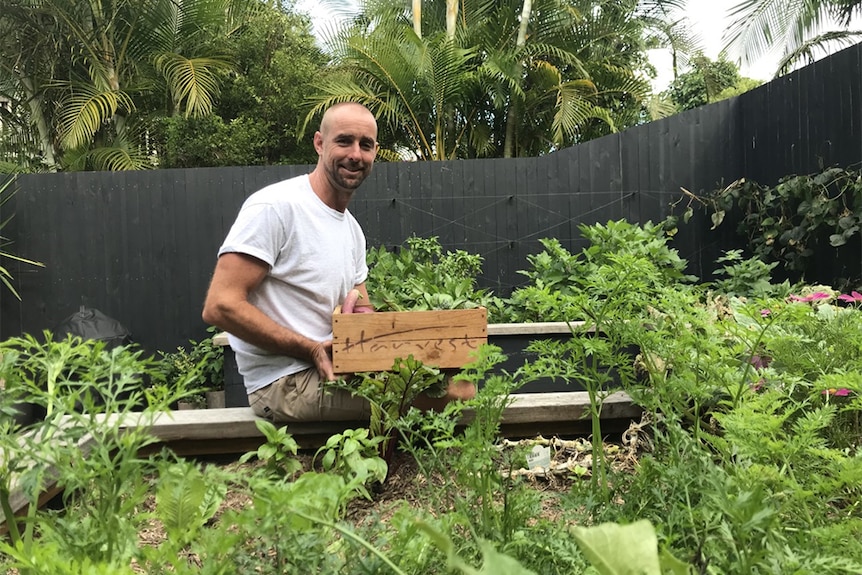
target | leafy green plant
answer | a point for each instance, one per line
(81, 446)
(774, 418)
(353, 455)
(751, 277)
(278, 451)
(391, 393)
(815, 338)
(748, 459)
(644, 241)
(202, 366)
(185, 500)
(555, 274)
(492, 560)
(790, 221)
(493, 503)
(626, 549)
(305, 534)
(80, 375)
(420, 276)
(596, 354)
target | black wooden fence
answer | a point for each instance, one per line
(140, 246)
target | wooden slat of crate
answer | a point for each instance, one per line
(439, 338)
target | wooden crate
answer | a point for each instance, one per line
(440, 338)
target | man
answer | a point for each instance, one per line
(293, 254)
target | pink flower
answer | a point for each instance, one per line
(840, 392)
(854, 296)
(765, 312)
(760, 361)
(810, 297)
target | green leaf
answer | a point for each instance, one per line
(615, 549)
(184, 501)
(266, 451)
(328, 460)
(846, 222)
(672, 564)
(836, 240)
(496, 563)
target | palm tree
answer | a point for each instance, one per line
(799, 29)
(30, 59)
(490, 78)
(410, 83)
(95, 70)
(667, 29)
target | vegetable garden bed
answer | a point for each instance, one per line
(749, 461)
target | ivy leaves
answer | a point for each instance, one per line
(792, 220)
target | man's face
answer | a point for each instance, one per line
(347, 145)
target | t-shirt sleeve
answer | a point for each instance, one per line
(361, 262)
(258, 231)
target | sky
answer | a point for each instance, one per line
(708, 18)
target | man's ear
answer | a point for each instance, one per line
(318, 142)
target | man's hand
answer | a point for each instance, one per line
(321, 354)
(356, 302)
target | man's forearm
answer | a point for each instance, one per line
(248, 323)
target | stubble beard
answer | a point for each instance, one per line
(351, 183)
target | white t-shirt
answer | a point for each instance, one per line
(316, 256)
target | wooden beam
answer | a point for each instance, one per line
(538, 328)
(561, 407)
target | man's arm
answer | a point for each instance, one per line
(227, 307)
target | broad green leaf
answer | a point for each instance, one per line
(496, 563)
(837, 240)
(615, 549)
(717, 217)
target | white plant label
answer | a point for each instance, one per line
(539, 456)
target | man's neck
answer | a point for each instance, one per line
(336, 199)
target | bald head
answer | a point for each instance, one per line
(346, 112)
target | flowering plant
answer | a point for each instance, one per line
(852, 297)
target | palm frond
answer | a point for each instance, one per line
(85, 110)
(760, 27)
(845, 10)
(660, 106)
(574, 109)
(193, 82)
(118, 159)
(823, 44)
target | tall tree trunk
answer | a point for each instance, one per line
(417, 17)
(451, 17)
(514, 103)
(37, 117)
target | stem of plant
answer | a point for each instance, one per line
(356, 538)
(748, 366)
(11, 523)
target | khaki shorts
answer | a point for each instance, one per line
(299, 397)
